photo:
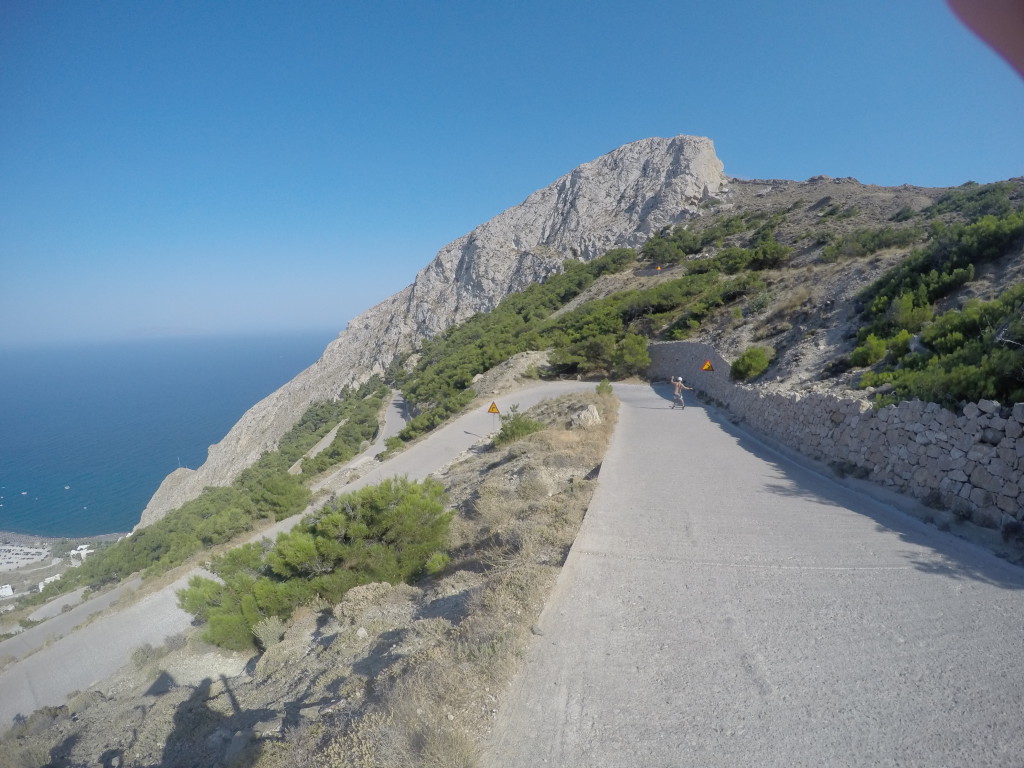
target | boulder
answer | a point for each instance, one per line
(587, 418)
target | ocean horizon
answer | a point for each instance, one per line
(89, 431)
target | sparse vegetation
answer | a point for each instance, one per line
(515, 426)
(436, 709)
(438, 386)
(965, 354)
(968, 354)
(387, 532)
(946, 263)
(865, 242)
(974, 201)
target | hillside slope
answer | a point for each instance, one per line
(804, 301)
(619, 199)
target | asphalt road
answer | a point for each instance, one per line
(59, 617)
(726, 606)
(56, 658)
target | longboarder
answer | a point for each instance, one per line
(679, 387)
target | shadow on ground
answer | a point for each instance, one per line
(951, 556)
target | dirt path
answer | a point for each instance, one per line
(724, 606)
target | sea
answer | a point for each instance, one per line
(88, 431)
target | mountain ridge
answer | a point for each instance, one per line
(616, 200)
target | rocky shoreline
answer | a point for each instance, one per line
(24, 540)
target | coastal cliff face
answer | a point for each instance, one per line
(617, 200)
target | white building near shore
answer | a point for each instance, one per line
(6, 590)
(82, 551)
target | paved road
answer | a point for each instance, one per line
(396, 414)
(725, 606)
(77, 660)
(57, 622)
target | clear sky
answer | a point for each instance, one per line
(216, 167)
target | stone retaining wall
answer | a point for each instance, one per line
(971, 463)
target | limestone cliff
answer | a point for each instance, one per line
(618, 199)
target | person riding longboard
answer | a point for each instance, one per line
(679, 387)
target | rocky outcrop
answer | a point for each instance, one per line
(617, 200)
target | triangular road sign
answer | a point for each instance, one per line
(707, 366)
(493, 408)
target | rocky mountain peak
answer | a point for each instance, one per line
(617, 200)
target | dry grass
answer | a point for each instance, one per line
(393, 675)
(519, 511)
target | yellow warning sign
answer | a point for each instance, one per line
(493, 408)
(707, 366)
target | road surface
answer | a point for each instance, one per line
(725, 606)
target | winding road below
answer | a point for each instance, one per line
(77, 650)
(724, 605)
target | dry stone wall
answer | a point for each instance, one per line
(971, 463)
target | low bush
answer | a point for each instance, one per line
(870, 352)
(516, 426)
(864, 242)
(947, 262)
(752, 363)
(975, 200)
(389, 532)
(969, 354)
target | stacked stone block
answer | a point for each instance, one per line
(971, 463)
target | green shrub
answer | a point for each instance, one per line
(870, 352)
(437, 562)
(976, 200)
(388, 532)
(752, 363)
(864, 242)
(674, 246)
(630, 356)
(899, 345)
(973, 353)
(603, 387)
(516, 426)
(906, 213)
(320, 418)
(946, 263)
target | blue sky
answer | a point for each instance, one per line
(220, 167)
